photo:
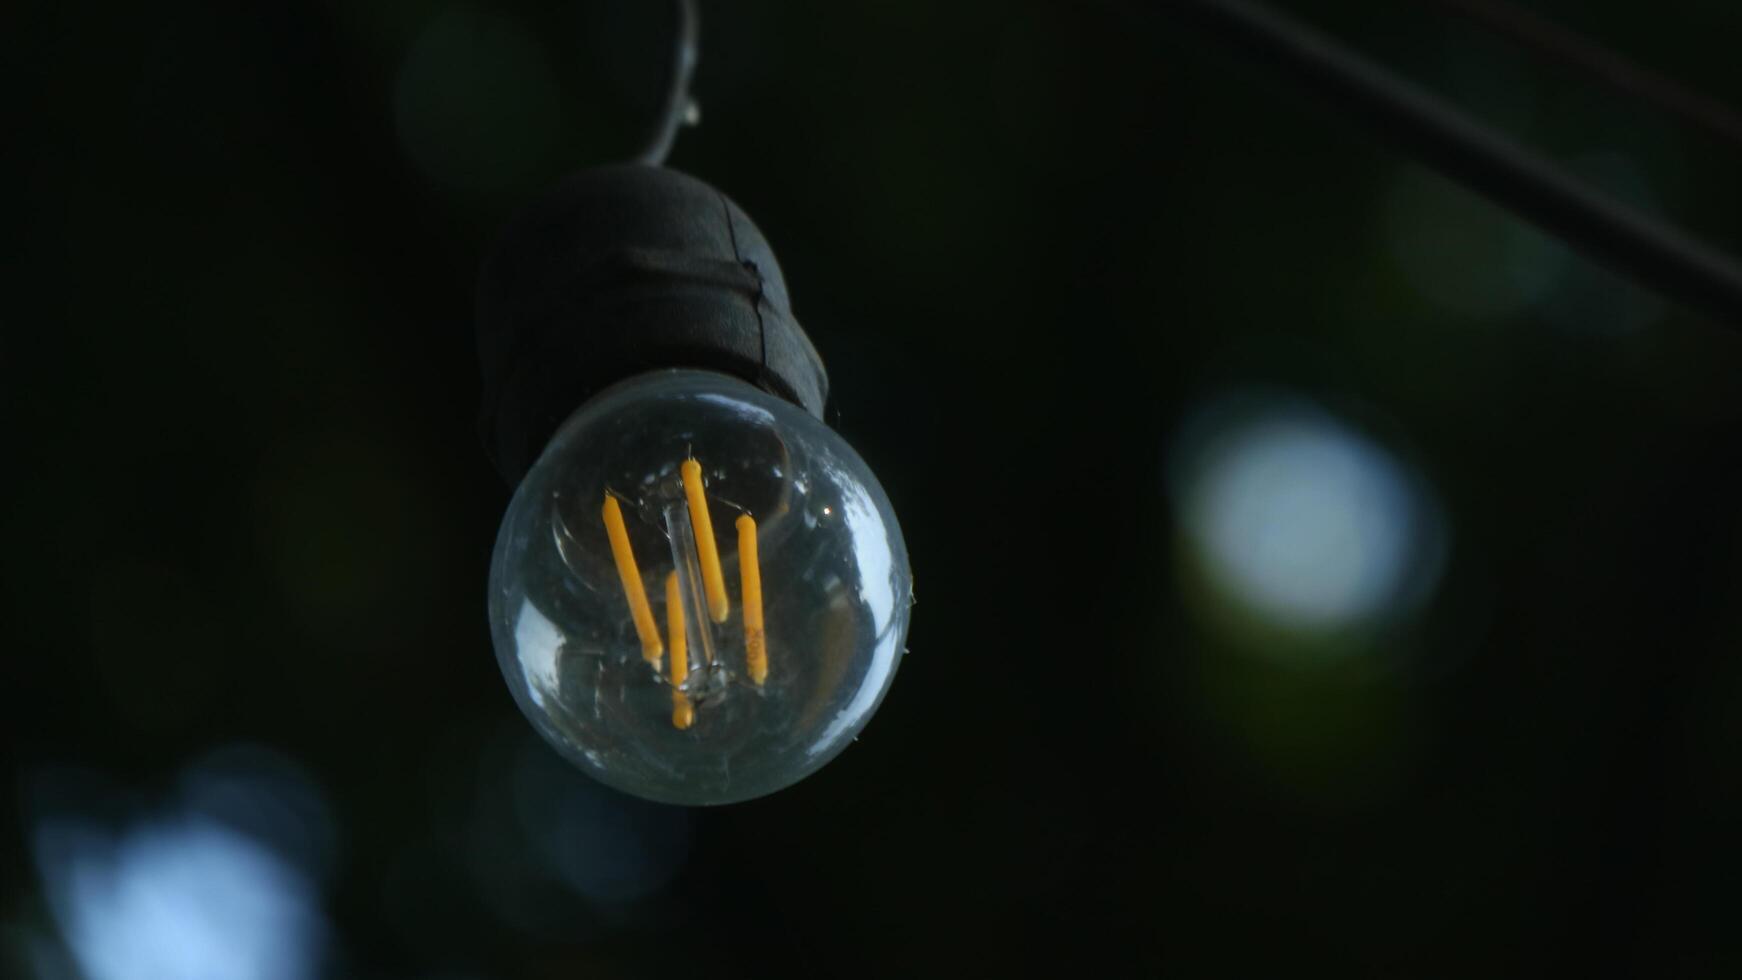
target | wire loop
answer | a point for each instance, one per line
(680, 106)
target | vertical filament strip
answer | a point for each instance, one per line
(713, 581)
(633, 590)
(750, 576)
(683, 715)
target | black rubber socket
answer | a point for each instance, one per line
(618, 271)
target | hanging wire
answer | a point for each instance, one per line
(1652, 253)
(680, 106)
(1553, 42)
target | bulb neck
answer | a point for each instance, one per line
(621, 270)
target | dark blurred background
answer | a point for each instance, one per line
(1318, 569)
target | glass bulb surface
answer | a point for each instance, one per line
(700, 593)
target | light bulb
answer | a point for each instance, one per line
(700, 593)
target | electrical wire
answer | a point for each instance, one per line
(680, 106)
(1552, 42)
(1635, 244)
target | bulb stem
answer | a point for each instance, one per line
(687, 566)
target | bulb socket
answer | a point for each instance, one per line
(621, 270)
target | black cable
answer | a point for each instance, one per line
(680, 106)
(1553, 42)
(1630, 242)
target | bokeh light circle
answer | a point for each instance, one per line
(1296, 522)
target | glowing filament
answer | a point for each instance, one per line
(633, 590)
(750, 574)
(713, 582)
(683, 715)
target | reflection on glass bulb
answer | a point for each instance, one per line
(699, 593)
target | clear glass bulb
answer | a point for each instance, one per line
(700, 593)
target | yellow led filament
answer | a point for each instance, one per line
(682, 714)
(713, 586)
(713, 582)
(750, 574)
(639, 611)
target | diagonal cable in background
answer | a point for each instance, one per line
(1651, 252)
